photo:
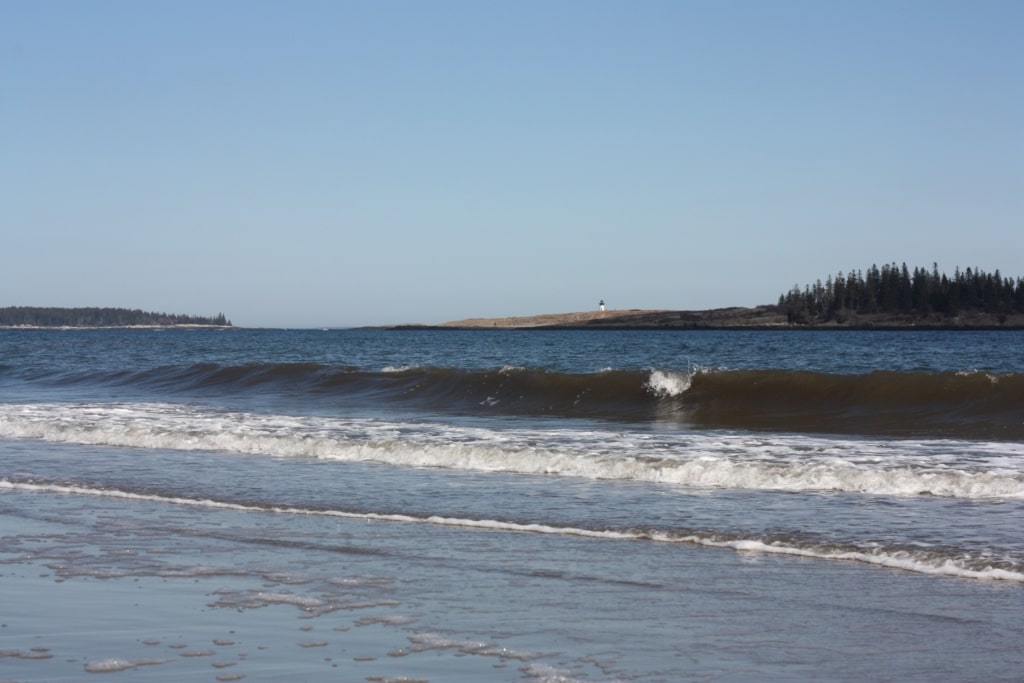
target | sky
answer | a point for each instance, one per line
(344, 163)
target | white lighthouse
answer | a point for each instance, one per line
(600, 306)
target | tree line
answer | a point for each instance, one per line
(14, 316)
(898, 290)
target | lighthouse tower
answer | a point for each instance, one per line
(600, 306)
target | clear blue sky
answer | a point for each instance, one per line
(349, 163)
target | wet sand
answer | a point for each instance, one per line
(159, 629)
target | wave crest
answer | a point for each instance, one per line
(974, 405)
(666, 384)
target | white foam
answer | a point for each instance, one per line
(422, 642)
(396, 620)
(398, 368)
(549, 674)
(303, 602)
(668, 384)
(993, 379)
(256, 599)
(976, 470)
(922, 564)
(111, 665)
(924, 561)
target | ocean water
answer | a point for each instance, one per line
(446, 505)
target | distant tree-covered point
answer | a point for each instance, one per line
(896, 289)
(30, 316)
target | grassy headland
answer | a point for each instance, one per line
(890, 297)
(759, 317)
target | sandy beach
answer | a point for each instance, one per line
(543, 610)
(203, 616)
(213, 629)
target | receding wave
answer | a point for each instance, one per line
(944, 404)
(936, 561)
(683, 457)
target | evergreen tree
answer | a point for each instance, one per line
(98, 317)
(894, 289)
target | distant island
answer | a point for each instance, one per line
(31, 316)
(890, 297)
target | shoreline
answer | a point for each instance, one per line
(733, 318)
(118, 327)
(763, 318)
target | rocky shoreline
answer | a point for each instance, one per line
(759, 317)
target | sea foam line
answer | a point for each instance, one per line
(933, 565)
(706, 460)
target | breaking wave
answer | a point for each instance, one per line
(973, 405)
(683, 457)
